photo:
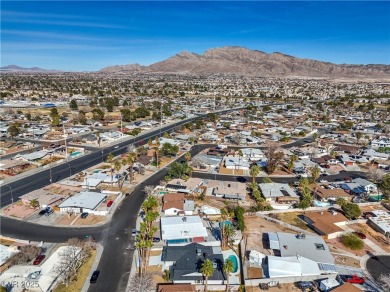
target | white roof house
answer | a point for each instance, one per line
(33, 156)
(291, 266)
(5, 253)
(300, 255)
(182, 227)
(208, 210)
(232, 162)
(169, 141)
(271, 191)
(111, 136)
(252, 153)
(380, 221)
(84, 201)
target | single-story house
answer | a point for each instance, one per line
(273, 191)
(44, 198)
(380, 222)
(186, 229)
(84, 202)
(236, 162)
(227, 189)
(189, 186)
(326, 223)
(184, 263)
(175, 204)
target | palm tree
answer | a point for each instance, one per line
(239, 152)
(207, 270)
(315, 136)
(117, 166)
(131, 158)
(359, 135)
(110, 157)
(156, 148)
(187, 156)
(98, 138)
(254, 171)
(315, 172)
(228, 267)
(290, 165)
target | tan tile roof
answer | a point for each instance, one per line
(325, 221)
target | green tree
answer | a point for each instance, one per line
(239, 216)
(267, 180)
(98, 114)
(207, 270)
(228, 268)
(359, 135)
(341, 201)
(169, 150)
(110, 158)
(13, 130)
(187, 156)
(352, 241)
(130, 159)
(55, 120)
(73, 104)
(351, 210)
(254, 171)
(385, 186)
(290, 165)
(315, 172)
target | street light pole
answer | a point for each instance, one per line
(70, 170)
(51, 178)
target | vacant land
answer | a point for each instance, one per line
(291, 218)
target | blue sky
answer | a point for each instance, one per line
(87, 36)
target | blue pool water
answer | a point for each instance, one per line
(233, 258)
(75, 153)
(227, 222)
(175, 241)
(321, 204)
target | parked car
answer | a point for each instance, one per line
(38, 259)
(134, 232)
(352, 279)
(156, 239)
(360, 235)
(109, 203)
(84, 215)
(94, 277)
(42, 212)
(348, 179)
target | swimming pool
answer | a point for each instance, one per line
(176, 241)
(233, 258)
(75, 153)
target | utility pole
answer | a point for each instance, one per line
(121, 129)
(66, 146)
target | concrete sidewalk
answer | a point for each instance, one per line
(99, 252)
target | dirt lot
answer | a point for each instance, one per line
(255, 228)
(254, 273)
(291, 218)
(335, 245)
(90, 220)
(18, 210)
(283, 288)
(346, 260)
(376, 237)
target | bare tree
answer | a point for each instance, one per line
(26, 254)
(375, 173)
(142, 283)
(148, 190)
(385, 280)
(72, 257)
(274, 157)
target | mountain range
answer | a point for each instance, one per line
(14, 68)
(242, 61)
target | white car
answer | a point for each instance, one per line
(323, 181)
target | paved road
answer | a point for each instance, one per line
(225, 177)
(378, 265)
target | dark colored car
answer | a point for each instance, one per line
(84, 215)
(38, 260)
(360, 235)
(241, 179)
(156, 239)
(352, 279)
(94, 277)
(43, 212)
(347, 179)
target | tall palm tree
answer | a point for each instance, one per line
(156, 148)
(228, 267)
(290, 165)
(98, 138)
(117, 167)
(110, 158)
(254, 171)
(207, 270)
(131, 158)
(240, 154)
